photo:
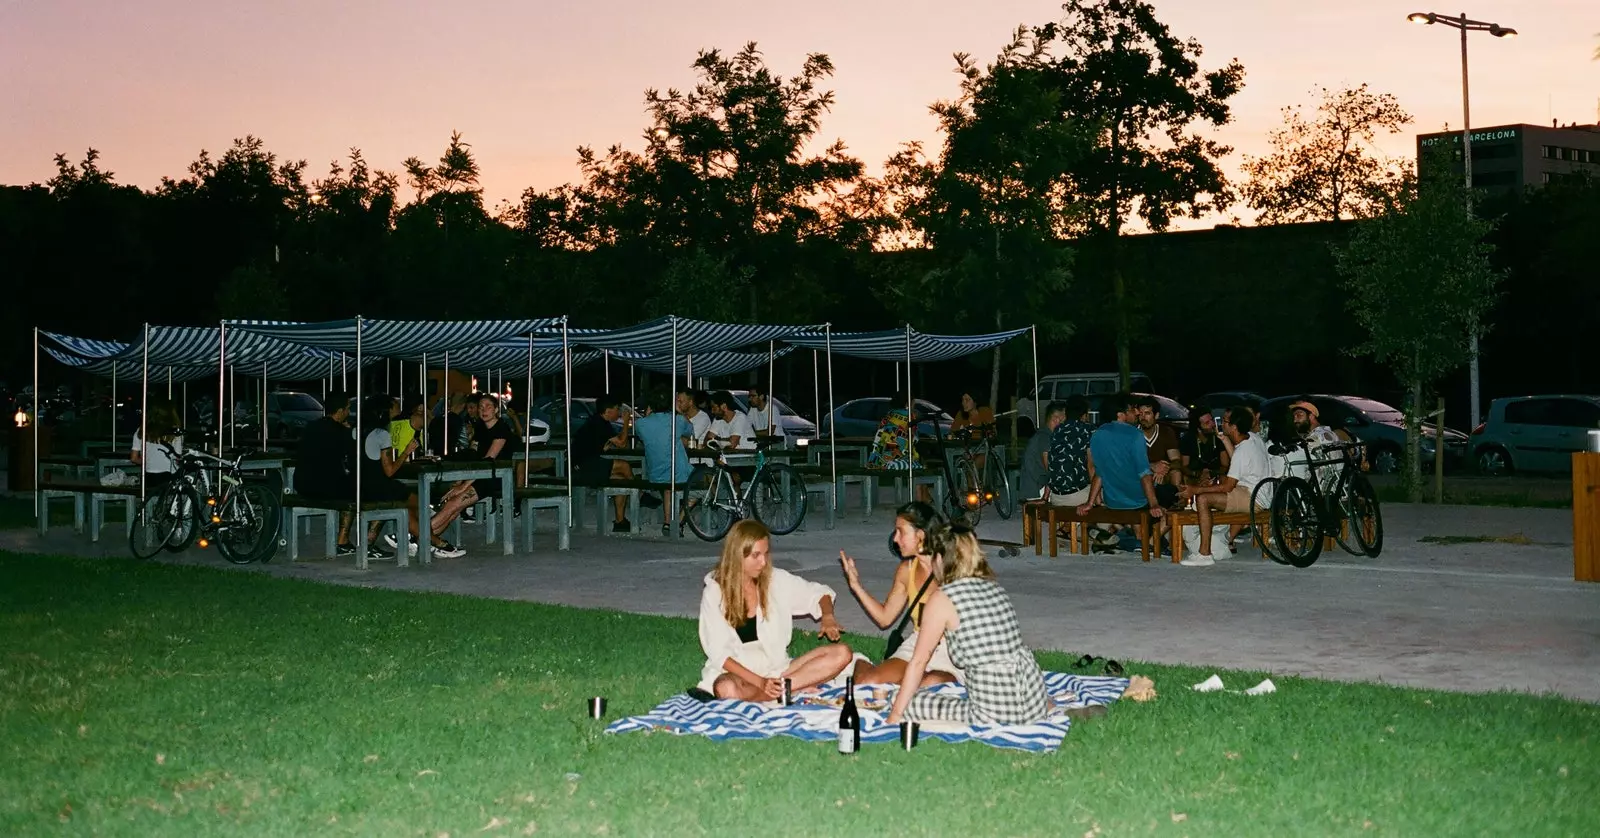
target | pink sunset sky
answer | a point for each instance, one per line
(151, 83)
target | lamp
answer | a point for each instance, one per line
(21, 418)
(1420, 17)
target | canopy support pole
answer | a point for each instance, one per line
(816, 391)
(1034, 334)
(566, 366)
(833, 430)
(185, 406)
(772, 367)
(606, 355)
(672, 467)
(263, 405)
(233, 396)
(222, 381)
(113, 405)
(36, 510)
(911, 427)
(361, 443)
(527, 419)
(422, 387)
(144, 419)
(449, 438)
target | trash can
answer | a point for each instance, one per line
(19, 471)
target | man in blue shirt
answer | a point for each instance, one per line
(1119, 466)
(663, 445)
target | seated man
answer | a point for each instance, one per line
(1233, 494)
(1069, 454)
(1160, 443)
(322, 464)
(1205, 458)
(1119, 468)
(591, 441)
(729, 426)
(665, 459)
(1034, 478)
(760, 420)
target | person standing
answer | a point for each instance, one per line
(1034, 478)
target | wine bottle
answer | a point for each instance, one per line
(849, 719)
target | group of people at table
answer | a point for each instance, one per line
(963, 627)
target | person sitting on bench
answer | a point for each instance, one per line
(1247, 468)
(589, 446)
(322, 464)
(379, 464)
(159, 458)
(1119, 468)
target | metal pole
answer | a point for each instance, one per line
(263, 405)
(1466, 165)
(422, 385)
(816, 391)
(833, 430)
(169, 383)
(113, 405)
(449, 438)
(185, 407)
(222, 381)
(772, 366)
(911, 428)
(36, 421)
(527, 417)
(360, 452)
(1034, 334)
(566, 364)
(672, 387)
(605, 354)
(144, 419)
(233, 395)
(344, 373)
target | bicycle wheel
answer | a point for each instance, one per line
(1296, 525)
(998, 483)
(969, 506)
(710, 508)
(1347, 524)
(248, 530)
(1260, 532)
(187, 511)
(154, 525)
(1366, 516)
(779, 498)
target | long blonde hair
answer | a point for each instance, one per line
(956, 545)
(729, 574)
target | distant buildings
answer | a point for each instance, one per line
(1507, 158)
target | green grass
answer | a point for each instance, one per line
(139, 699)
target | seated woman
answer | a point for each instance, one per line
(894, 446)
(974, 421)
(159, 458)
(911, 526)
(747, 617)
(380, 463)
(974, 615)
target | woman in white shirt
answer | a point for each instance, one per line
(158, 458)
(747, 619)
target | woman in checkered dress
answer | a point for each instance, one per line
(974, 616)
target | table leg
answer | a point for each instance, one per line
(424, 519)
(508, 496)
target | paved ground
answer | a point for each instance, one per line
(1470, 617)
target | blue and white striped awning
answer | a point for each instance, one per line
(200, 347)
(899, 344)
(404, 340)
(87, 348)
(124, 371)
(510, 363)
(697, 336)
(506, 355)
(703, 364)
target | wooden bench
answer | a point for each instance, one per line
(1052, 516)
(531, 498)
(87, 496)
(397, 512)
(1191, 518)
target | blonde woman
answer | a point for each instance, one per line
(747, 619)
(974, 616)
(913, 584)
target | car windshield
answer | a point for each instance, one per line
(297, 401)
(1376, 411)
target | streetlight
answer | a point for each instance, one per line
(1466, 25)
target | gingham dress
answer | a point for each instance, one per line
(1004, 685)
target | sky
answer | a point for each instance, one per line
(151, 83)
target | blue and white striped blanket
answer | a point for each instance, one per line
(816, 716)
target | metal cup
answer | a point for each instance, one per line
(908, 735)
(788, 692)
(597, 707)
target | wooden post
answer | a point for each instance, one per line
(1586, 516)
(1438, 454)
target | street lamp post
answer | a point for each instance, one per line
(1466, 25)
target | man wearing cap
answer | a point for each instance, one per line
(1309, 428)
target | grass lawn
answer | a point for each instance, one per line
(144, 699)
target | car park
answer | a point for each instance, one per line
(796, 428)
(1059, 387)
(860, 417)
(1380, 426)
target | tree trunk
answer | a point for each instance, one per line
(1413, 458)
(994, 371)
(1119, 287)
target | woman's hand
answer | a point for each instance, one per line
(850, 574)
(830, 628)
(772, 688)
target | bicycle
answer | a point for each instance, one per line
(988, 485)
(239, 514)
(775, 495)
(1301, 514)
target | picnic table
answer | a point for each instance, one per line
(858, 446)
(556, 451)
(426, 473)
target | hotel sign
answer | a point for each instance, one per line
(1477, 136)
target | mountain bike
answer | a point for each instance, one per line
(774, 494)
(210, 500)
(980, 470)
(1303, 512)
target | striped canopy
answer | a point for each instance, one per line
(404, 340)
(198, 347)
(697, 336)
(124, 371)
(899, 344)
(703, 364)
(307, 365)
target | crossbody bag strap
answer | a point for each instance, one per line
(913, 603)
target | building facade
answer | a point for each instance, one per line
(1509, 158)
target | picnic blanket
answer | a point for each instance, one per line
(815, 716)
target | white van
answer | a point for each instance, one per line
(1059, 387)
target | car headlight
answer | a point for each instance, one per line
(802, 442)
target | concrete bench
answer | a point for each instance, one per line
(397, 512)
(867, 478)
(88, 496)
(532, 498)
(601, 495)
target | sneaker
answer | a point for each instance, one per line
(376, 552)
(390, 542)
(446, 550)
(1197, 560)
(622, 526)
(469, 515)
(345, 550)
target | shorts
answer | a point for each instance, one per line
(1078, 498)
(1238, 500)
(939, 662)
(342, 488)
(595, 472)
(384, 489)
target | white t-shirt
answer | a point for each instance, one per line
(157, 460)
(700, 422)
(1249, 464)
(739, 427)
(758, 421)
(377, 440)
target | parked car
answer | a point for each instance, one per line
(547, 411)
(1058, 387)
(1218, 403)
(860, 417)
(289, 411)
(1381, 426)
(1534, 433)
(796, 428)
